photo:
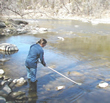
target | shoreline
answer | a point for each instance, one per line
(93, 21)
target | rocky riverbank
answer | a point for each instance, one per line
(22, 26)
(8, 86)
(17, 27)
(13, 90)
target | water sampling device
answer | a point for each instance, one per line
(64, 76)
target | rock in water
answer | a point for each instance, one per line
(5, 91)
(60, 87)
(103, 85)
(1, 72)
(61, 38)
(20, 82)
(8, 47)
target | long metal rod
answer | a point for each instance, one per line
(64, 76)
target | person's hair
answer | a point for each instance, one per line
(42, 41)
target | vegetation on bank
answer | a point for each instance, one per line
(55, 8)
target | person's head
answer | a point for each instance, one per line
(42, 42)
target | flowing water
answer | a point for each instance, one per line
(83, 56)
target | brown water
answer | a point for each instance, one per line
(83, 56)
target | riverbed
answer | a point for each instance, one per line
(83, 56)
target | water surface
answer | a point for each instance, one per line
(83, 56)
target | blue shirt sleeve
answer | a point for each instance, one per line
(42, 58)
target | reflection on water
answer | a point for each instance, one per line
(32, 92)
(4, 53)
(82, 56)
(82, 44)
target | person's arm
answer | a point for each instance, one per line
(42, 59)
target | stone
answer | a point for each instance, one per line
(53, 66)
(61, 38)
(6, 78)
(2, 82)
(1, 76)
(8, 47)
(17, 94)
(75, 73)
(4, 59)
(103, 85)
(15, 81)
(2, 100)
(60, 87)
(18, 22)
(5, 91)
(2, 24)
(20, 82)
(1, 72)
(42, 30)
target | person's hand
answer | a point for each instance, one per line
(44, 64)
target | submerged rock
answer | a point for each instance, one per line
(4, 59)
(75, 73)
(52, 66)
(18, 95)
(1, 76)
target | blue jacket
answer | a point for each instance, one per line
(36, 52)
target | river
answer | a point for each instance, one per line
(83, 56)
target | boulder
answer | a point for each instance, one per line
(18, 95)
(1, 72)
(18, 22)
(2, 24)
(2, 83)
(21, 31)
(19, 82)
(8, 47)
(5, 91)
(2, 100)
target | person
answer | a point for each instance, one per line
(35, 53)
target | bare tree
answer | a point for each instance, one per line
(51, 7)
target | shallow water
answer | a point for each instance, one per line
(83, 56)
